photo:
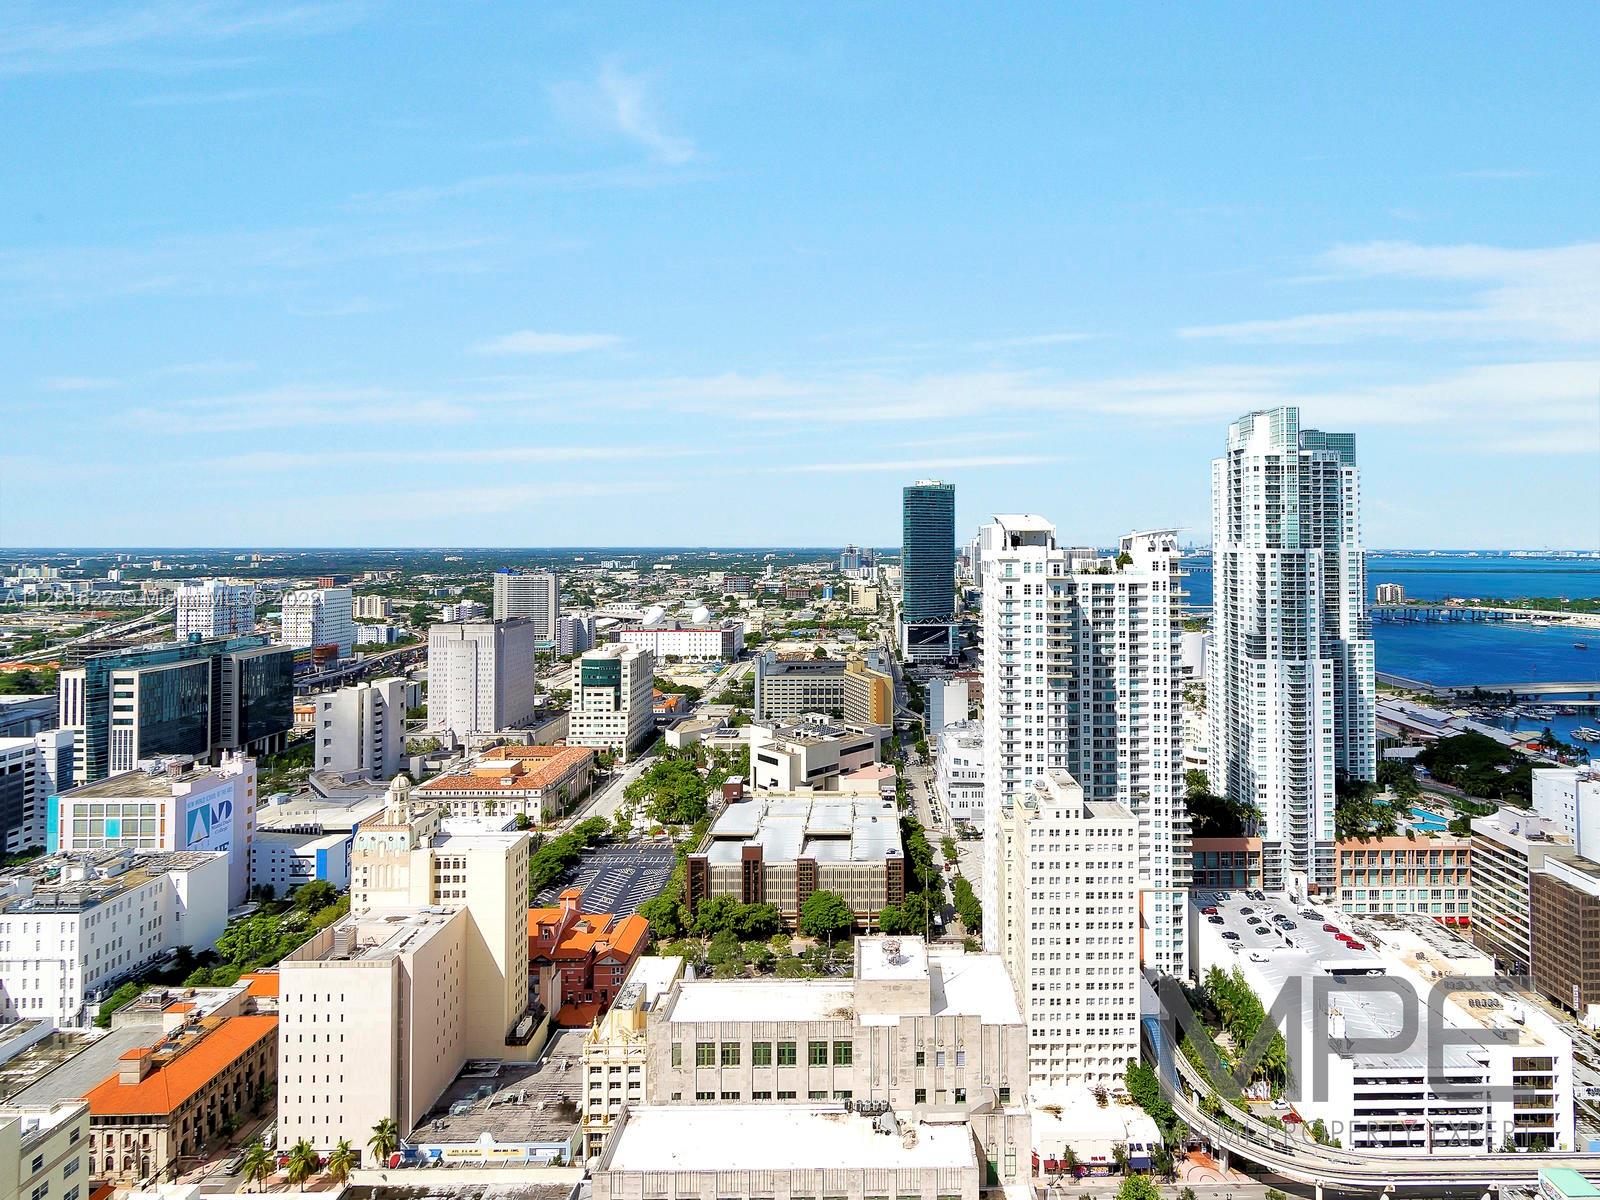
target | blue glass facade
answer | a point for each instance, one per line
(928, 552)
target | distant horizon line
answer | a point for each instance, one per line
(89, 550)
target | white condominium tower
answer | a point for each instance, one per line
(534, 595)
(1289, 682)
(320, 617)
(1068, 925)
(1081, 674)
(214, 608)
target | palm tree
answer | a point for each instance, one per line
(342, 1161)
(303, 1163)
(385, 1139)
(258, 1163)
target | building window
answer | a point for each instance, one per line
(733, 1095)
(677, 1054)
(705, 1095)
(730, 1054)
(818, 1054)
(786, 1054)
(761, 1054)
(844, 1054)
(814, 1094)
(705, 1054)
(785, 1095)
(1005, 1095)
(761, 1095)
(920, 1096)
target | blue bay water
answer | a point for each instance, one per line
(1466, 653)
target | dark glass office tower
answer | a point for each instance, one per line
(928, 552)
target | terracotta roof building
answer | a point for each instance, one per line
(578, 961)
(536, 782)
(175, 1098)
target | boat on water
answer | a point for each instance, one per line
(1586, 733)
(1580, 645)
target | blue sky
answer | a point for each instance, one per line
(522, 274)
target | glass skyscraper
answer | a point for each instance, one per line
(928, 552)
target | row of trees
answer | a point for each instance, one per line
(1241, 1014)
(1482, 767)
(552, 859)
(302, 1161)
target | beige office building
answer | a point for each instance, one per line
(44, 1151)
(931, 1034)
(429, 970)
(615, 1050)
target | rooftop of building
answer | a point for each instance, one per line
(512, 768)
(511, 1101)
(66, 1065)
(824, 826)
(377, 935)
(687, 1137)
(961, 985)
(75, 882)
(37, 1119)
(814, 729)
(589, 933)
(1518, 826)
(181, 1064)
(1400, 948)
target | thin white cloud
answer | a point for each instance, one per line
(620, 103)
(960, 463)
(220, 97)
(78, 383)
(1549, 294)
(270, 460)
(531, 341)
(156, 35)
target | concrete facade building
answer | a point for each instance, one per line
(1564, 935)
(32, 769)
(931, 1034)
(1291, 694)
(374, 608)
(1081, 675)
(362, 728)
(574, 635)
(616, 1048)
(1391, 593)
(1427, 875)
(214, 608)
(1068, 930)
(481, 676)
(533, 596)
(612, 705)
(44, 1151)
(381, 1010)
(779, 848)
(868, 692)
(949, 703)
(320, 617)
(860, 689)
(1508, 849)
(809, 753)
(170, 807)
(958, 772)
(790, 1151)
(72, 929)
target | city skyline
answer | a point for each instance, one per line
(575, 269)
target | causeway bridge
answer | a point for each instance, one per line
(1580, 690)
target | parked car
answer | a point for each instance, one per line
(1326, 928)
(1210, 910)
(1230, 935)
(1247, 910)
(1257, 956)
(1215, 920)
(1355, 945)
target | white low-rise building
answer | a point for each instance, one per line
(812, 752)
(282, 861)
(167, 805)
(958, 772)
(73, 928)
(678, 639)
(362, 728)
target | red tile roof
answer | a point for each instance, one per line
(168, 1085)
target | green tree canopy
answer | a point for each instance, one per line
(825, 914)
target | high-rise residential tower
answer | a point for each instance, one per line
(532, 595)
(215, 608)
(1067, 927)
(928, 569)
(1289, 690)
(1082, 674)
(320, 617)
